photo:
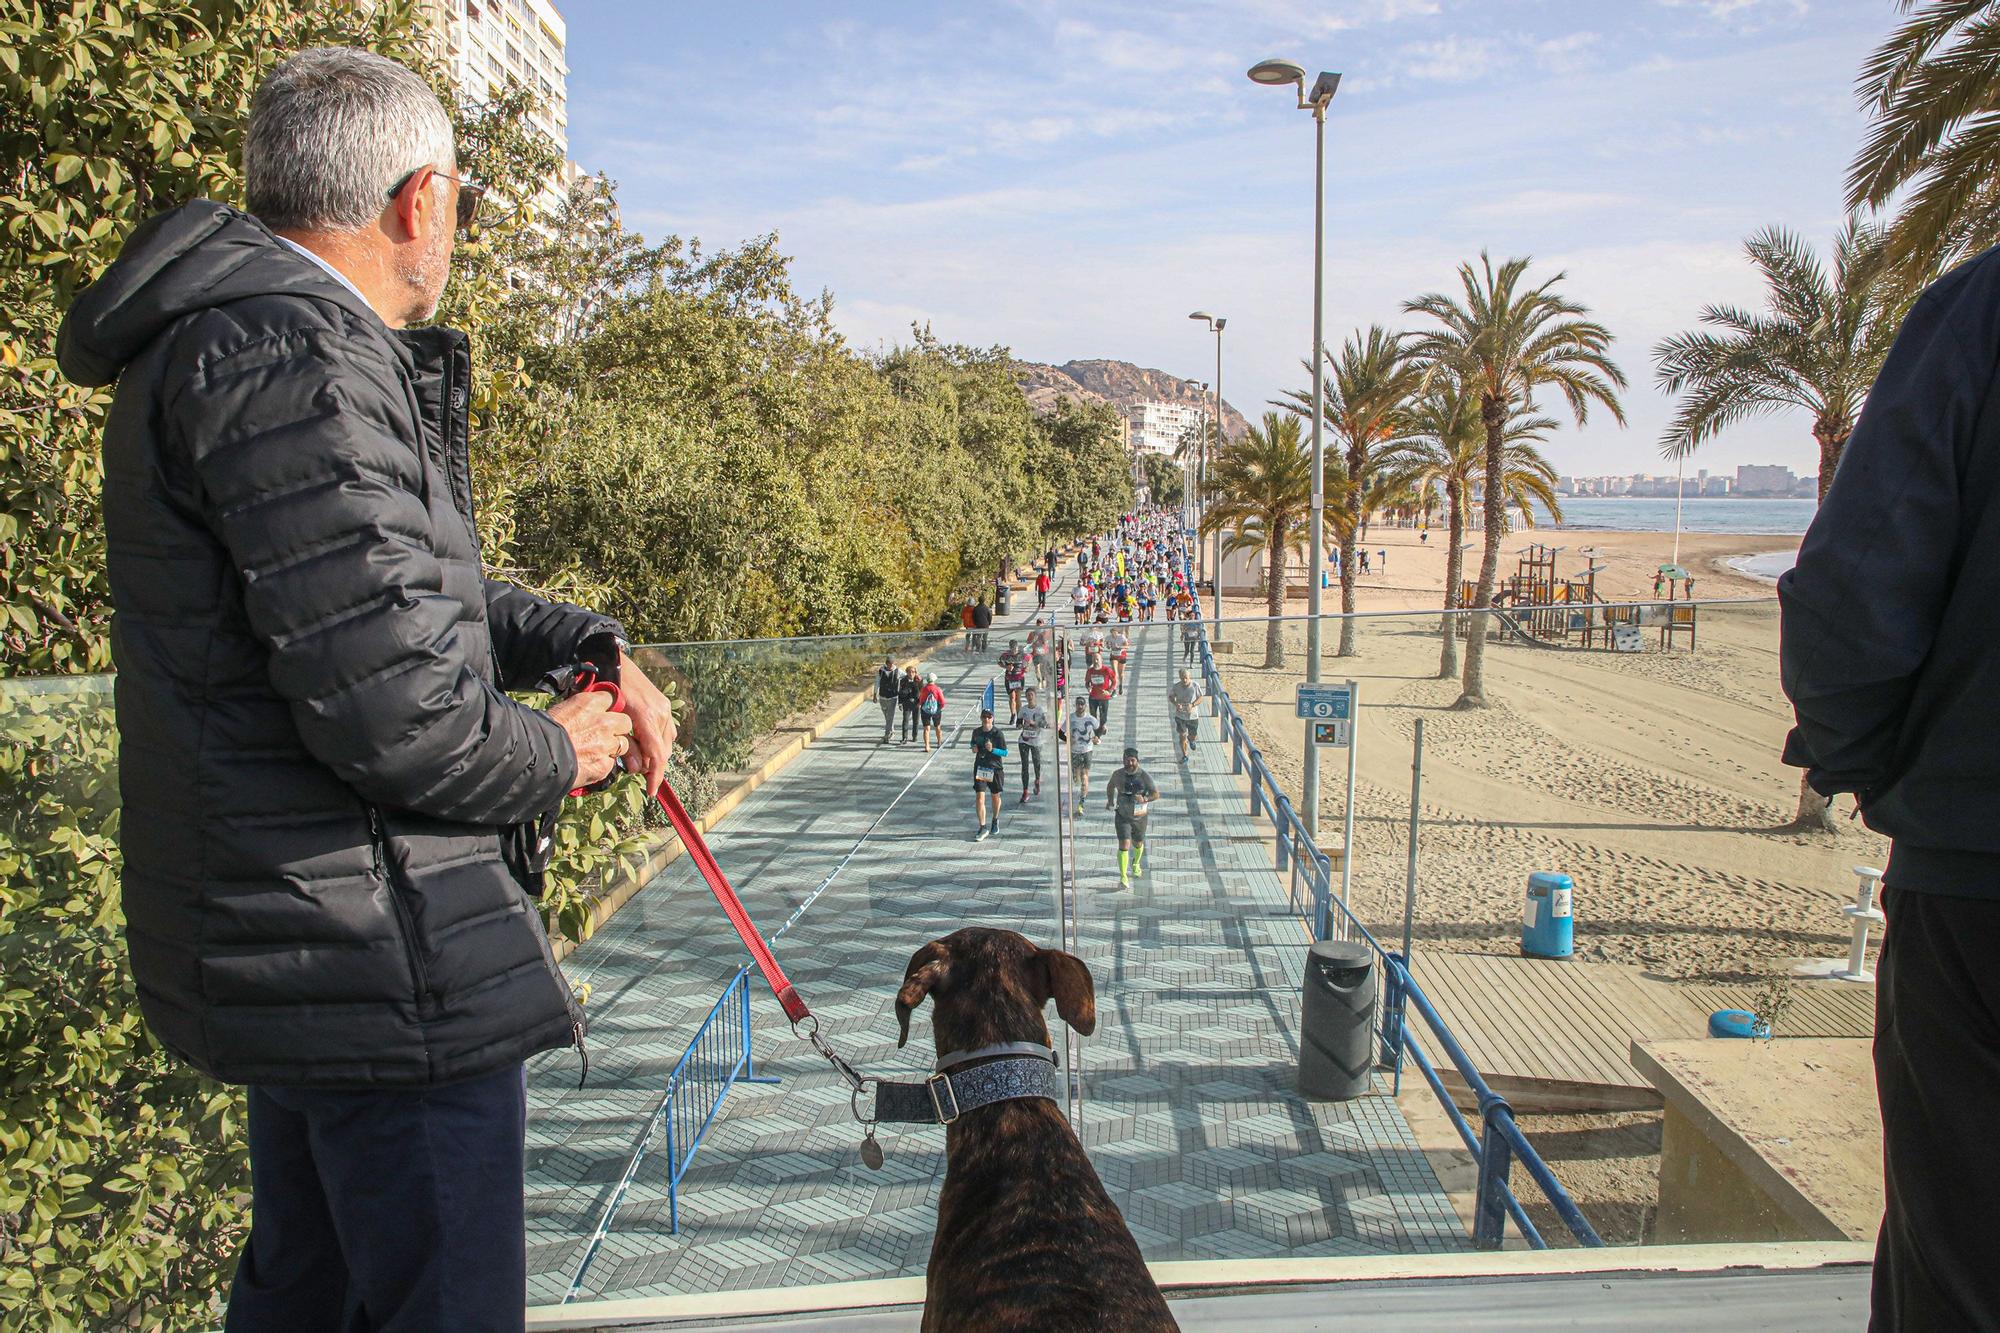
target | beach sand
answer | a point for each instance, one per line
(1652, 778)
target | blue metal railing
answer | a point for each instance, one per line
(715, 1061)
(1499, 1142)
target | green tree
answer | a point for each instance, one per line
(1262, 498)
(1365, 402)
(1815, 348)
(1163, 479)
(1934, 144)
(1508, 340)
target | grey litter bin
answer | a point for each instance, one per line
(1337, 1027)
(1003, 597)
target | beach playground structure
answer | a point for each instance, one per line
(1540, 606)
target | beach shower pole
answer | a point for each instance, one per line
(1204, 460)
(1280, 74)
(1347, 815)
(1410, 874)
(1680, 467)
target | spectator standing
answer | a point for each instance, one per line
(930, 712)
(1042, 585)
(982, 623)
(907, 691)
(314, 682)
(965, 622)
(888, 681)
(1889, 656)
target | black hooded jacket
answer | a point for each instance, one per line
(317, 763)
(1890, 655)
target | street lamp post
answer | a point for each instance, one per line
(1282, 74)
(1209, 445)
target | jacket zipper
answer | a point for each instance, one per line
(420, 975)
(577, 1026)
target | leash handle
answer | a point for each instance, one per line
(595, 685)
(788, 997)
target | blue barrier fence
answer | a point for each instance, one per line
(1499, 1142)
(715, 1061)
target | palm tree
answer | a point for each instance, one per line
(1816, 348)
(1932, 86)
(1446, 452)
(1261, 494)
(1508, 340)
(1366, 396)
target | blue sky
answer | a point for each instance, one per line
(1071, 180)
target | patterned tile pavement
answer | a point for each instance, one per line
(1190, 1115)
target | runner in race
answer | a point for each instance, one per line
(1120, 645)
(1033, 722)
(1014, 676)
(1130, 794)
(1185, 698)
(1081, 733)
(1190, 638)
(989, 774)
(1100, 681)
(1079, 601)
(930, 712)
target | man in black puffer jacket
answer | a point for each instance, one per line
(322, 776)
(1891, 661)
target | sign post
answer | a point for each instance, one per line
(1328, 711)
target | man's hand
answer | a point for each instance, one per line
(653, 730)
(599, 736)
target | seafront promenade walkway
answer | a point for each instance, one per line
(1189, 1112)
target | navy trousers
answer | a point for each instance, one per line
(385, 1212)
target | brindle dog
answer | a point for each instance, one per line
(1027, 1239)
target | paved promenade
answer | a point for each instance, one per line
(1189, 1114)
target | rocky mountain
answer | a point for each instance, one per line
(1119, 383)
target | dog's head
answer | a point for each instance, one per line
(987, 987)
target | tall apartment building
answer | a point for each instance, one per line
(1158, 427)
(1765, 479)
(489, 43)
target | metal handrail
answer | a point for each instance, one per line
(1500, 1141)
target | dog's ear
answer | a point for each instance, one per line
(1069, 985)
(926, 969)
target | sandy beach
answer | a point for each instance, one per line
(1651, 778)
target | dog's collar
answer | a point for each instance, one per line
(943, 1098)
(951, 1060)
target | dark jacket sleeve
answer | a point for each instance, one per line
(533, 636)
(302, 475)
(1861, 608)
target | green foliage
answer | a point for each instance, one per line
(1164, 480)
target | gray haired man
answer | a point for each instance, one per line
(329, 796)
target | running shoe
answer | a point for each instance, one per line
(1024, 799)
(981, 835)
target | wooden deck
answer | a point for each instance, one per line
(1553, 1036)
(1816, 1008)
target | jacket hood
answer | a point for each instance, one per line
(195, 257)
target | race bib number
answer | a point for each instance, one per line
(1139, 809)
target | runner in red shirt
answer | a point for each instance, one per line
(1101, 679)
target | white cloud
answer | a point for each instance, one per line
(1451, 59)
(1569, 53)
(1548, 204)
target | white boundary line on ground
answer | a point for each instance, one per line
(1222, 1275)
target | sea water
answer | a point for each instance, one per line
(1786, 517)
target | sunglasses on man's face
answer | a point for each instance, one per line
(469, 194)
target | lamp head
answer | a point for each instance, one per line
(1275, 73)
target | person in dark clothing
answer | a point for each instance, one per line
(982, 623)
(888, 685)
(330, 801)
(907, 691)
(989, 774)
(1889, 656)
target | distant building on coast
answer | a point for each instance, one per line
(1154, 427)
(1752, 481)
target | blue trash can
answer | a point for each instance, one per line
(1736, 1023)
(1548, 926)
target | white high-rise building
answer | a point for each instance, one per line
(489, 43)
(1158, 427)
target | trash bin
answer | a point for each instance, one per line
(1548, 925)
(1003, 599)
(1337, 1025)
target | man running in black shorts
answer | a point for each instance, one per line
(1033, 722)
(989, 774)
(1131, 793)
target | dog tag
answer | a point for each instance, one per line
(871, 1152)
